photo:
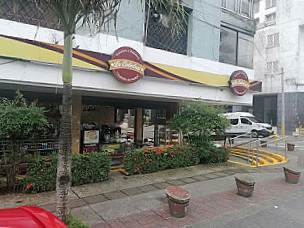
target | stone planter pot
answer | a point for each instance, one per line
(290, 146)
(292, 175)
(245, 184)
(178, 201)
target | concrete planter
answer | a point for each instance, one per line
(245, 184)
(290, 146)
(178, 201)
(292, 175)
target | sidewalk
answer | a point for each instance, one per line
(139, 201)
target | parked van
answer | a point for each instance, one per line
(244, 122)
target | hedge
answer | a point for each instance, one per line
(86, 168)
(153, 159)
(214, 154)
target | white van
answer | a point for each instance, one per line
(244, 122)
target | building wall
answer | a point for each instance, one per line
(289, 54)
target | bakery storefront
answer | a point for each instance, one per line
(120, 101)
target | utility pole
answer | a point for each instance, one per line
(283, 102)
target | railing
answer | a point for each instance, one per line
(258, 144)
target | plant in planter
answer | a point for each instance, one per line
(198, 121)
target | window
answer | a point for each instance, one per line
(245, 50)
(159, 33)
(270, 18)
(256, 6)
(245, 8)
(234, 121)
(272, 67)
(242, 7)
(273, 40)
(25, 11)
(270, 3)
(245, 121)
(236, 48)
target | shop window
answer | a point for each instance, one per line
(270, 3)
(242, 7)
(159, 32)
(25, 11)
(273, 40)
(236, 48)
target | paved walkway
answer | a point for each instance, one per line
(139, 201)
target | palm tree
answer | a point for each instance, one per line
(72, 13)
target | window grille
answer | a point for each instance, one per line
(25, 11)
(273, 40)
(273, 67)
(159, 33)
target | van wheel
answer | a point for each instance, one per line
(254, 134)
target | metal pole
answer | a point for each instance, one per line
(285, 148)
(257, 153)
(283, 102)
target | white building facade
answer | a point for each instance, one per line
(279, 42)
(31, 56)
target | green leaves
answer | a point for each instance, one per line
(19, 119)
(153, 159)
(86, 168)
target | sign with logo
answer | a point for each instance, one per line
(127, 65)
(239, 83)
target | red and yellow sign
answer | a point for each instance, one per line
(239, 83)
(127, 65)
(24, 49)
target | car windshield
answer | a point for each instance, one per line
(253, 120)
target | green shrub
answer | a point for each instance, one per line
(215, 155)
(86, 168)
(73, 222)
(153, 159)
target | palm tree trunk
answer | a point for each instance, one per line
(63, 184)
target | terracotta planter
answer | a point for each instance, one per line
(245, 184)
(290, 146)
(292, 176)
(178, 201)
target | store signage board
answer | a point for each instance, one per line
(239, 83)
(91, 137)
(127, 65)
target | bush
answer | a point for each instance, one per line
(215, 155)
(153, 159)
(86, 168)
(73, 222)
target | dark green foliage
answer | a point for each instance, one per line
(86, 168)
(198, 121)
(90, 168)
(19, 120)
(73, 222)
(215, 155)
(148, 160)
